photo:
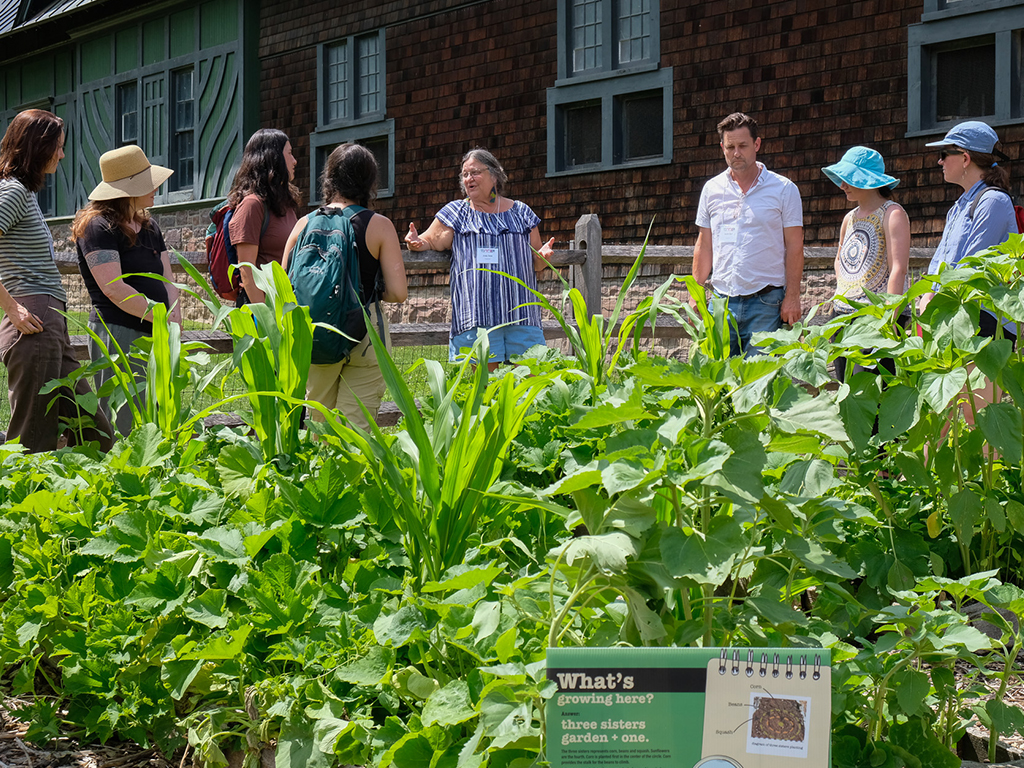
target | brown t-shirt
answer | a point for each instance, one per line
(247, 223)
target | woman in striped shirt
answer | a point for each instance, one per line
(34, 342)
(488, 231)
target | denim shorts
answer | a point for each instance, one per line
(505, 342)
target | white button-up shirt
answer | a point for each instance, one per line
(749, 250)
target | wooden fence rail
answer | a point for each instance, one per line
(585, 261)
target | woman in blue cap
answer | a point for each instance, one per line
(983, 216)
(980, 218)
(874, 240)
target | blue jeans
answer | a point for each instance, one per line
(504, 342)
(753, 314)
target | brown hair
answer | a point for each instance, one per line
(118, 212)
(28, 146)
(735, 121)
(351, 173)
(992, 174)
(264, 173)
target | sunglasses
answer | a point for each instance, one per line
(947, 152)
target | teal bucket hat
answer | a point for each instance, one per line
(862, 168)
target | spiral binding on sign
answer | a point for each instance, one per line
(774, 665)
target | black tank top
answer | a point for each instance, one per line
(371, 279)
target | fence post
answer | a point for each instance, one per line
(587, 277)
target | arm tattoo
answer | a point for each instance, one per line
(96, 258)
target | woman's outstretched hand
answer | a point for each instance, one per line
(413, 239)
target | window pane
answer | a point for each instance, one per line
(128, 109)
(369, 74)
(965, 82)
(642, 129)
(634, 30)
(586, 35)
(379, 146)
(582, 134)
(336, 84)
(182, 135)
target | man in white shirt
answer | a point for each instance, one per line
(751, 241)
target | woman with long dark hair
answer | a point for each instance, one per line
(350, 181)
(119, 246)
(34, 342)
(265, 203)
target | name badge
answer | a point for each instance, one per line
(487, 256)
(729, 234)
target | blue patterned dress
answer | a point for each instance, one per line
(496, 241)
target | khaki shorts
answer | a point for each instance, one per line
(342, 386)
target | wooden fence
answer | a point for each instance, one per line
(593, 267)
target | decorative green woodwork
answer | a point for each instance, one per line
(218, 23)
(220, 124)
(63, 70)
(64, 178)
(81, 82)
(183, 33)
(96, 59)
(154, 41)
(94, 137)
(126, 53)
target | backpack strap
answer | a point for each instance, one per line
(981, 194)
(349, 212)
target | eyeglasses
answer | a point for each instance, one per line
(947, 152)
(473, 174)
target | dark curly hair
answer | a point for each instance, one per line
(28, 146)
(350, 173)
(264, 173)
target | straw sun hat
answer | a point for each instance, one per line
(127, 172)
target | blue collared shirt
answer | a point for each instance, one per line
(992, 223)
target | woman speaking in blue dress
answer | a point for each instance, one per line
(488, 231)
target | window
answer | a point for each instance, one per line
(183, 130)
(963, 63)
(611, 104)
(352, 106)
(128, 113)
(352, 80)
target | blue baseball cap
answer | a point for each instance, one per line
(974, 136)
(862, 168)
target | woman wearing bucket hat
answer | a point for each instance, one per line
(874, 240)
(265, 202)
(977, 220)
(122, 258)
(34, 342)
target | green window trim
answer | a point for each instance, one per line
(606, 101)
(995, 24)
(379, 136)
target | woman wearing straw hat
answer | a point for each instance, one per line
(874, 240)
(121, 253)
(34, 342)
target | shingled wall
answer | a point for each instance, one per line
(819, 76)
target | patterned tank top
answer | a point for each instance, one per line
(863, 258)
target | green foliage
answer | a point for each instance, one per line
(388, 599)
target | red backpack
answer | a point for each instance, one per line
(221, 254)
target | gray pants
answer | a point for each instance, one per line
(124, 337)
(33, 359)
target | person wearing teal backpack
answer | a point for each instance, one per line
(342, 258)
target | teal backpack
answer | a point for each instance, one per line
(324, 270)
